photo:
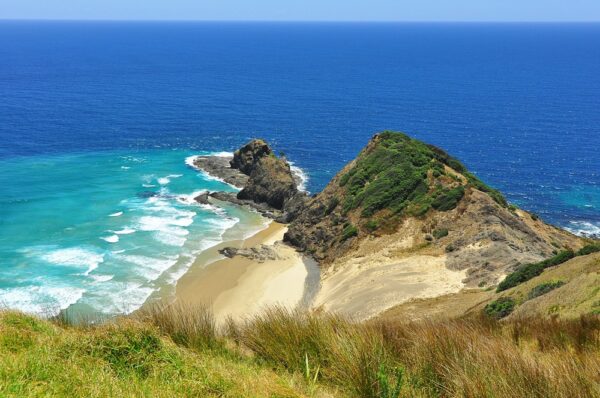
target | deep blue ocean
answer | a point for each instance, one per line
(96, 117)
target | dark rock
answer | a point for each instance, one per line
(202, 198)
(218, 166)
(271, 179)
(229, 251)
(260, 253)
(246, 158)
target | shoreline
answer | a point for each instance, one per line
(241, 286)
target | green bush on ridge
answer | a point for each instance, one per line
(544, 288)
(530, 271)
(589, 249)
(500, 308)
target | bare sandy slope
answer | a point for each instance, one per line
(380, 275)
(240, 286)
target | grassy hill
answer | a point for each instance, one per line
(177, 352)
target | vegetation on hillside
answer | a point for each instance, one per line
(528, 271)
(177, 352)
(500, 308)
(544, 288)
(405, 175)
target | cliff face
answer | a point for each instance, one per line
(401, 198)
(270, 181)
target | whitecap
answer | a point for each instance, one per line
(170, 239)
(124, 231)
(117, 214)
(101, 278)
(40, 300)
(300, 176)
(112, 297)
(584, 228)
(125, 167)
(110, 238)
(166, 180)
(148, 185)
(74, 257)
(190, 161)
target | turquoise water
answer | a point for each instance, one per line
(106, 230)
(93, 114)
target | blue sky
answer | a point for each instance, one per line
(329, 10)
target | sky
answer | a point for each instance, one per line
(305, 10)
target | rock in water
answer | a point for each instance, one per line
(271, 179)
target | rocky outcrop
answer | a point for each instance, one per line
(219, 166)
(267, 182)
(270, 182)
(270, 178)
(247, 157)
(400, 196)
(401, 190)
(259, 253)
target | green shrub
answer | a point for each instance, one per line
(333, 202)
(478, 184)
(544, 288)
(393, 175)
(530, 271)
(372, 225)
(349, 232)
(440, 233)
(500, 308)
(589, 249)
(448, 199)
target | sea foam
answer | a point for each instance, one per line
(43, 300)
(110, 238)
(78, 257)
(584, 228)
(300, 175)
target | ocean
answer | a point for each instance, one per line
(97, 120)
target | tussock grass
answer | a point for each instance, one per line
(191, 326)
(177, 351)
(462, 358)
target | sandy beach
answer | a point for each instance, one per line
(242, 286)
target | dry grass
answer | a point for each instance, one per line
(462, 358)
(177, 351)
(191, 326)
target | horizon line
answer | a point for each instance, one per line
(303, 21)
